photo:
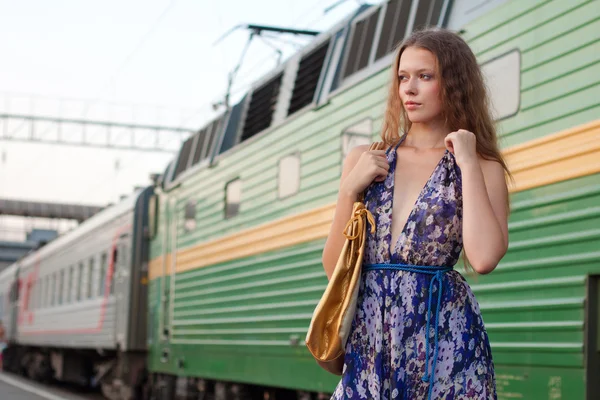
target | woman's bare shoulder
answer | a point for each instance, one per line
(490, 167)
(355, 153)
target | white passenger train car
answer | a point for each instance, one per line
(8, 290)
(81, 303)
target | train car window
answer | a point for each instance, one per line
(79, 281)
(395, 23)
(38, 293)
(182, 160)
(14, 291)
(65, 285)
(61, 287)
(362, 35)
(428, 14)
(54, 294)
(262, 107)
(189, 222)
(233, 197)
(45, 291)
(289, 175)
(307, 78)
(357, 134)
(31, 296)
(503, 79)
(71, 285)
(114, 270)
(103, 268)
(201, 137)
(206, 139)
(90, 279)
(217, 127)
(152, 216)
(41, 294)
(31, 304)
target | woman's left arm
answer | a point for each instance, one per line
(485, 199)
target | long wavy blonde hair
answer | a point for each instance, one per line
(465, 104)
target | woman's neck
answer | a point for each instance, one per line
(423, 136)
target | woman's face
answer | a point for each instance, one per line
(419, 85)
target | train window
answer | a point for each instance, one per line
(233, 197)
(71, 285)
(307, 78)
(394, 27)
(55, 285)
(152, 215)
(32, 303)
(45, 292)
(46, 303)
(503, 79)
(362, 35)
(261, 108)
(65, 286)
(102, 280)
(189, 218)
(39, 293)
(49, 291)
(183, 158)
(114, 270)
(289, 175)
(79, 281)
(31, 296)
(61, 287)
(90, 279)
(428, 14)
(355, 135)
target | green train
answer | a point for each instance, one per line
(235, 268)
(208, 280)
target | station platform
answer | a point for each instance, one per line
(16, 388)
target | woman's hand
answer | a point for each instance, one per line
(463, 145)
(371, 166)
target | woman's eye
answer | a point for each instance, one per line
(426, 76)
(401, 77)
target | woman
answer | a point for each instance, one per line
(440, 185)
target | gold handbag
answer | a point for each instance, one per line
(332, 318)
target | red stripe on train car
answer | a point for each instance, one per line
(107, 285)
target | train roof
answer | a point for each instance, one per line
(84, 228)
(8, 272)
(295, 81)
(358, 46)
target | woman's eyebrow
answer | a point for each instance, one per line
(419, 70)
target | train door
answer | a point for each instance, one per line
(168, 268)
(13, 309)
(120, 258)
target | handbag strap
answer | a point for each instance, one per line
(374, 146)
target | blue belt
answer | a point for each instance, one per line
(438, 274)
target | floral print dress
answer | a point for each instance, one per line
(388, 355)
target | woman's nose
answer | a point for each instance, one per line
(410, 87)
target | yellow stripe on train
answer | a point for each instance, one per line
(565, 155)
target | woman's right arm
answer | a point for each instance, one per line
(369, 165)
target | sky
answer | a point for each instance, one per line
(149, 62)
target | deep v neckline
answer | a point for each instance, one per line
(394, 243)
